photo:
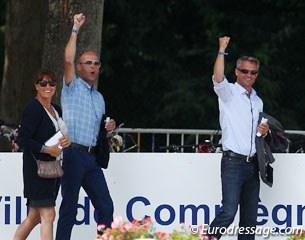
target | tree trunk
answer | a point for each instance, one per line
(23, 54)
(59, 29)
(36, 34)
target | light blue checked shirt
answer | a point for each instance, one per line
(238, 117)
(83, 109)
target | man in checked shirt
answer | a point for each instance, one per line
(83, 107)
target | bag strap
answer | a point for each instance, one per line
(37, 159)
(34, 156)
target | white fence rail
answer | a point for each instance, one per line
(148, 139)
(209, 135)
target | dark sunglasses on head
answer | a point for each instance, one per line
(89, 62)
(246, 71)
(43, 83)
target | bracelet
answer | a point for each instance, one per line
(223, 53)
(43, 148)
(75, 30)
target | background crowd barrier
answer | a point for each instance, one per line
(169, 187)
(157, 140)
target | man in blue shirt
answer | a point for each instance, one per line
(239, 108)
(83, 107)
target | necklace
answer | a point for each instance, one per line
(51, 111)
(48, 107)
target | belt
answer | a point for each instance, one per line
(239, 156)
(82, 147)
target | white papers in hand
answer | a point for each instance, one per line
(54, 140)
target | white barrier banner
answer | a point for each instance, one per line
(170, 188)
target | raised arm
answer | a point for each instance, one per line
(219, 65)
(70, 51)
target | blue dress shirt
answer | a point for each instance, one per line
(83, 108)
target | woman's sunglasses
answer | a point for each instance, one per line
(44, 83)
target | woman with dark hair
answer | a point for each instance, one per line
(41, 119)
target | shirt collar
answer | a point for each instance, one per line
(86, 85)
(242, 90)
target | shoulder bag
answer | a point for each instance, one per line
(49, 169)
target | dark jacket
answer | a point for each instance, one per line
(275, 142)
(102, 146)
(36, 128)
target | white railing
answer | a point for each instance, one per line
(208, 133)
(194, 137)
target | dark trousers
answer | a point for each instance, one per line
(81, 170)
(240, 186)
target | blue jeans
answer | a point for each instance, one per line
(240, 186)
(81, 170)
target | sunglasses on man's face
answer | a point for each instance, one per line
(246, 71)
(89, 62)
(44, 83)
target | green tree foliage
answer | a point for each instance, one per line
(158, 58)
